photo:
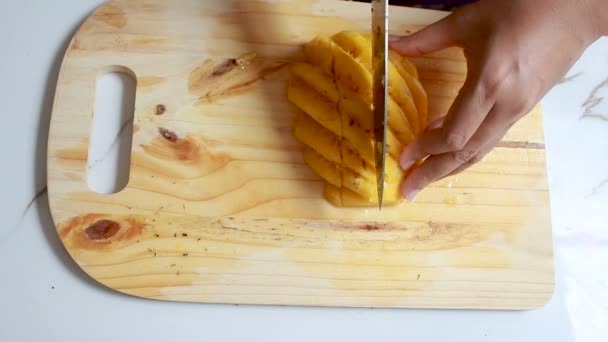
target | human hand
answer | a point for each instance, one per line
(516, 51)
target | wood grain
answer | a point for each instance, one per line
(220, 207)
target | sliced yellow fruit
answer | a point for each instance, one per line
(410, 75)
(314, 77)
(363, 115)
(320, 53)
(352, 160)
(336, 126)
(356, 45)
(328, 145)
(359, 184)
(314, 104)
(333, 194)
(312, 134)
(360, 49)
(363, 140)
(356, 108)
(344, 197)
(352, 74)
(399, 124)
(321, 166)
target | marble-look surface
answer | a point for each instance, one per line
(44, 295)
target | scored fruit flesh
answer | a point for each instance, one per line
(333, 91)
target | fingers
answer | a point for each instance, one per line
(469, 110)
(439, 165)
(432, 169)
(466, 115)
(477, 158)
(428, 144)
(432, 38)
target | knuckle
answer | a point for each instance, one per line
(489, 87)
(454, 141)
(521, 108)
(512, 112)
(494, 82)
(463, 156)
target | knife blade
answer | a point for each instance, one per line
(380, 88)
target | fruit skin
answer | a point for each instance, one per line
(334, 121)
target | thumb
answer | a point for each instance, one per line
(437, 36)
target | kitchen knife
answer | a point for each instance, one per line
(380, 88)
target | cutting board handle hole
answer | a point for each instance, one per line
(109, 155)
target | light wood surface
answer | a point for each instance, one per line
(228, 212)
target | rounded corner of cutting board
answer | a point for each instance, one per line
(544, 301)
(105, 286)
(548, 296)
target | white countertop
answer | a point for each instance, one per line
(44, 295)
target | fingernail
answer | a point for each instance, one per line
(407, 164)
(411, 195)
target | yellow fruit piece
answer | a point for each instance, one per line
(321, 166)
(333, 194)
(343, 197)
(403, 65)
(352, 160)
(326, 113)
(333, 91)
(356, 108)
(352, 74)
(392, 171)
(314, 104)
(410, 75)
(363, 140)
(398, 123)
(328, 145)
(312, 134)
(367, 188)
(314, 77)
(352, 175)
(400, 62)
(319, 52)
(401, 94)
(356, 45)
(363, 115)
(359, 184)
(359, 47)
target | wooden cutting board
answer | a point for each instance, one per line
(219, 206)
